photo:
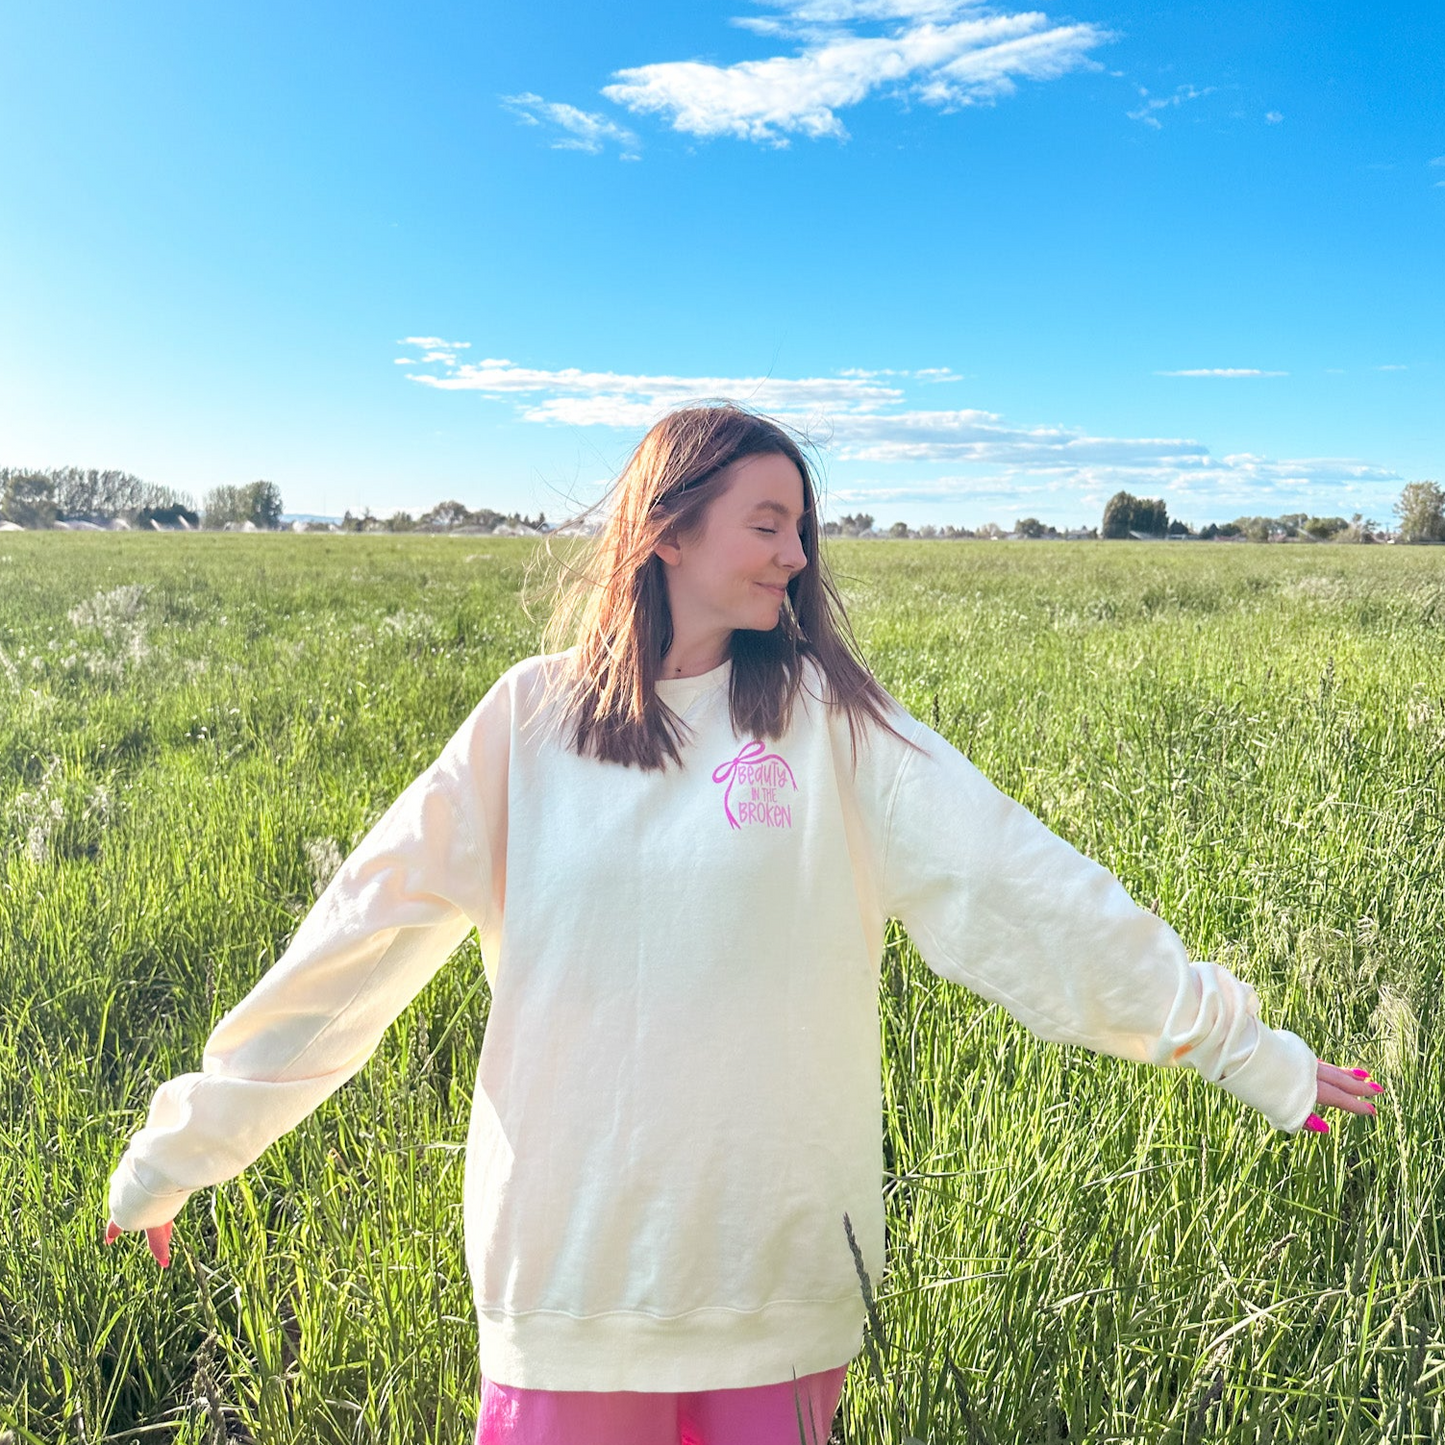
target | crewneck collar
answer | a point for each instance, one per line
(673, 690)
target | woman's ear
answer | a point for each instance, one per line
(669, 552)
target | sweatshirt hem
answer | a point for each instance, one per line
(706, 1349)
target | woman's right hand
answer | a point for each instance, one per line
(159, 1240)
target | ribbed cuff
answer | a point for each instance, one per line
(1279, 1079)
(133, 1206)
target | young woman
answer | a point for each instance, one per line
(680, 839)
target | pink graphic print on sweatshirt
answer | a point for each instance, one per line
(760, 778)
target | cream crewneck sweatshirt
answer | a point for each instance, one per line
(679, 1090)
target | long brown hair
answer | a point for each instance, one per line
(615, 610)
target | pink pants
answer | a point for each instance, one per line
(761, 1415)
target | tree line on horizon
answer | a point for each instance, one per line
(47, 498)
(1420, 510)
(36, 499)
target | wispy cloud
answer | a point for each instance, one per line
(609, 398)
(925, 373)
(433, 348)
(933, 57)
(983, 438)
(862, 416)
(1394, 366)
(1148, 113)
(947, 54)
(1222, 371)
(1273, 117)
(1210, 486)
(583, 130)
(802, 13)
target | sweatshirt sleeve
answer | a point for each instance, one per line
(386, 922)
(996, 902)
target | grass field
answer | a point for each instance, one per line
(194, 729)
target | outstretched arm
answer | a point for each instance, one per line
(995, 901)
(389, 918)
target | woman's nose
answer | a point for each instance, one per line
(795, 558)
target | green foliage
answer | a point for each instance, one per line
(28, 500)
(452, 516)
(1077, 1247)
(257, 503)
(1421, 510)
(1125, 514)
(92, 495)
(1033, 529)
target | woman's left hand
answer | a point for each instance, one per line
(1349, 1089)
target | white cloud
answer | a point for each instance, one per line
(433, 343)
(1204, 486)
(842, 12)
(404, 360)
(585, 130)
(858, 418)
(1394, 367)
(1438, 161)
(602, 409)
(1148, 112)
(932, 56)
(1273, 117)
(620, 395)
(943, 53)
(923, 373)
(1222, 371)
(1002, 490)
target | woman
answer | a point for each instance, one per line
(680, 840)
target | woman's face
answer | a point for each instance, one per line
(735, 571)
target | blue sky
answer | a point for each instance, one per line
(997, 262)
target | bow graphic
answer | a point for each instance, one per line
(752, 753)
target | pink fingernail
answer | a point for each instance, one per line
(1317, 1125)
(1378, 1088)
(1360, 1073)
(1370, 1107)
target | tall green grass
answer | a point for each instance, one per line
(193, 730)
